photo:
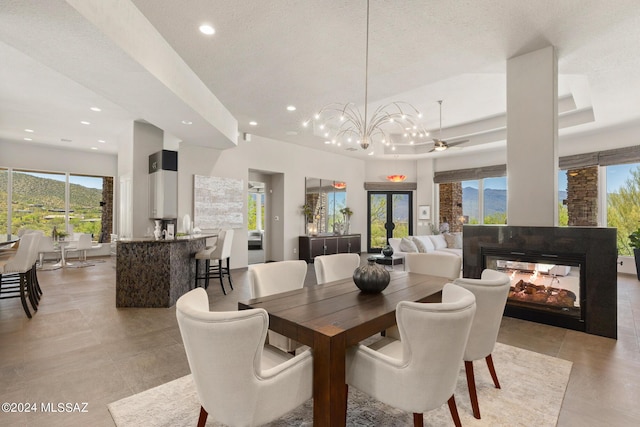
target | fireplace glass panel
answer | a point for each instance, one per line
(541, 286)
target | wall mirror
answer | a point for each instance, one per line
(325, 198)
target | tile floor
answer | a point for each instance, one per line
(80, 348)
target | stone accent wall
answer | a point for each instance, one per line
(582, 196)
(107, 209)
(451, 205)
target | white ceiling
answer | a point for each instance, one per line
(266, 55)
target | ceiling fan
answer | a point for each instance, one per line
(438, 143)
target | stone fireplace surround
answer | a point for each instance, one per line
(597, 244)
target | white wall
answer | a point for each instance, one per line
(289, 164)
(48, 159)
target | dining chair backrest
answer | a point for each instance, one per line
(46, 244)
(226, 354)
(84, 242)
(276, 277)
(329, 268)
(434, 264)
(491, 292)
(421, 371)
(24, 258)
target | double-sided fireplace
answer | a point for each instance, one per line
(545, 287)
(561, 276)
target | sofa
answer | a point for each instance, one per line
(446, 242)
(254, 239)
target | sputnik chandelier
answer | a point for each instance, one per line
(339, 123)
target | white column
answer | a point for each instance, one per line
(532, 135)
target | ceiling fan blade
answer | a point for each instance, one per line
(453, 144)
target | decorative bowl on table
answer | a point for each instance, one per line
(371, 278)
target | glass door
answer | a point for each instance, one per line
(390, 215)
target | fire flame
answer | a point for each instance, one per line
(534, 276)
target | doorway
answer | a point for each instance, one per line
(390, 214)
(256, 209)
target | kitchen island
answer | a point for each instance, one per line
(155, 273)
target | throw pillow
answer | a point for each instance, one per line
(407, 245)
(423, 243)
(438, 241)
(454, 240)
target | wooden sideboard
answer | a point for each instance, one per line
(312, 246)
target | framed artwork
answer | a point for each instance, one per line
(217, 202)
(424, 212)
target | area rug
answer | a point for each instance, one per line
(533, 387)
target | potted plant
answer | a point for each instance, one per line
(346, 212)
(634, 241)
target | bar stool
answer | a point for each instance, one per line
(214, 258)
(17, 274)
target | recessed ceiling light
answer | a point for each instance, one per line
(187, 122)
(291, 108)
(252, 123)
(85, 122)
(29, 130)
(94, 148)
(96, 109)
(102, 141)
(207, 29)
(28, 139)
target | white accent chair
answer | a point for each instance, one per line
(419, 372)
(46, 246)
(239, 380)
(435, 264)
(82, 246)
(491, 291)
(329, 268)
(215, 257)
(274, 278)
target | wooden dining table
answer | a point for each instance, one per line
(331, 317)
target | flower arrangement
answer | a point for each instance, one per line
(307, 211)
(346, 211)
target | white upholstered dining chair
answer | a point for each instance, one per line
(491, 292)
(419, 372)
(435, 264)
(335, 267)
(239, 380)
(274, 278)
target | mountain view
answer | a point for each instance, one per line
(38, 203)
(495, 201)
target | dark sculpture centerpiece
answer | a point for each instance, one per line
(371, 278)
(387, 251)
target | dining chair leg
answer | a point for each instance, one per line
(418, 420)
(471, 384)
(221, 276)
(206, 278)
(23, 296)
(492, 371)
(229, 272)
(454, 411)
(26, 278)
(202, 420)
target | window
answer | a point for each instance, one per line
(85, 204)
(623, 202)
(37, 201)
(563, 210)
(470, 202)
(494, 200)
